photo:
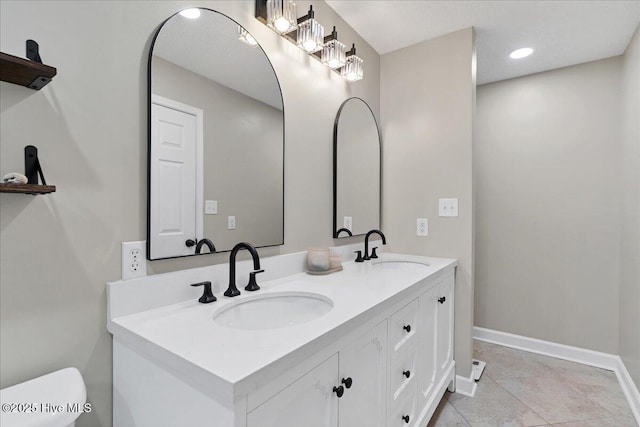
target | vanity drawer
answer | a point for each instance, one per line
(403, 412)
(402, 375)
(402, 328)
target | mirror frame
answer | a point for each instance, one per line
(335, 168)
(149, 105)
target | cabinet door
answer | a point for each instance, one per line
(309, 401)
(365, 362)
(427, 368)
(444, 346)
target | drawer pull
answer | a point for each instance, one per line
(442, 300)
(347, 382)
(407, 328)
(339, 391)
(406, 419)
(406, 373)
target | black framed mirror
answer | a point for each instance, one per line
(216, 138)
(356, 170)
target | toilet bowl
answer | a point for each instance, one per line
(53, 400)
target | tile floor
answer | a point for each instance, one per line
(526, 389)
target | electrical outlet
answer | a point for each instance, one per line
(134, 263)
(422, 227)
(348, 223)
(232, 223)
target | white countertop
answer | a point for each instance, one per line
(235, 357)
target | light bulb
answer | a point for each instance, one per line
(281, 24)
(521, 53)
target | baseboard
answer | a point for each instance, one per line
(629, 388)
(548, 348)
(597, 359)
(466, 386)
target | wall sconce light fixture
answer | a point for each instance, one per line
(245, 37)
(308, 35)
(281, 16)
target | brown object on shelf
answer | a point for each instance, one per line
(24, 72)
(27, 188)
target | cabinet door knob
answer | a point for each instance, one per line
(406, 373)
(442, 300)
(407, 328)
(339, 391)
(190, 242)
(347, 382)
(406, 419)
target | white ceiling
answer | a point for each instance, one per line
(562, 33)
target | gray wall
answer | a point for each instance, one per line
(630, 247)
(243, 156)
(90, 125)
(427, 96)
(547, 157)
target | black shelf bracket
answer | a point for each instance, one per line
(32, 166)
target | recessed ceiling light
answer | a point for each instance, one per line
(191, 13)
(521, 53)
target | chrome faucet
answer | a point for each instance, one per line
(203, 242)
(232, 291)
(367, 257)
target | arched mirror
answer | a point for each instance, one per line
(216, 138)
(356, 170)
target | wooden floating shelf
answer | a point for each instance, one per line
(24, 72)
(27, 188)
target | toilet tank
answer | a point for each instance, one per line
(53, 400)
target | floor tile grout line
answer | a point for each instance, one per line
(459, 413)
(524, 404)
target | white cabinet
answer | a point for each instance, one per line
(365, 362)
(348, 390)
(444, 326)
(427, 344)
(435, 365)
(309, 401)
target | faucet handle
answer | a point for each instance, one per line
(207, 296)
(373, 253)
(359, 257)
(252, 285)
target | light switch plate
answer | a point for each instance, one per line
(448, 207)
(211, 207)
(422, 227)
(231, 223)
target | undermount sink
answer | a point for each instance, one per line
(398, 262)
(273, 311)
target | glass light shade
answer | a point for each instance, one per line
(281, 15)
(353, 70)
(245, 37)
(333, 54)
(310, 35)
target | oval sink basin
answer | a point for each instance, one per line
(398, 262)
(273, 311)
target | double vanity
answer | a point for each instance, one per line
(371, 345)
